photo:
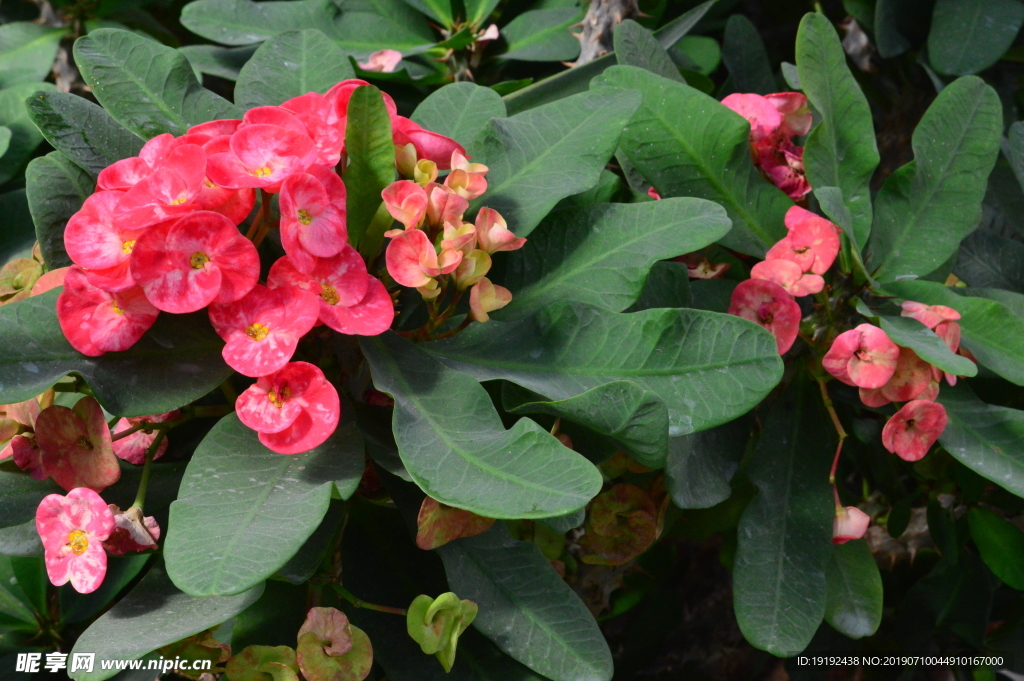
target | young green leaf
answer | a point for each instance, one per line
(854, 603)
(27, 51)
(24, 136)
(635, 46)
(288, 65)
(968, 37)
(460, 111)
(744, 55)
(55, 189)
(1000, 544)
(371, 155)
(687, 144)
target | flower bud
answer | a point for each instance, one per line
(472, 269)
(437, 623)
(425, 172)
(405, 159)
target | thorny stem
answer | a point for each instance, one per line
(838, 425)
(140, 496)
(347, 595)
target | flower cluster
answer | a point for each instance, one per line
(775, 120)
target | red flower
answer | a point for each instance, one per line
(789, 276)
(168, 192)
(293, 410)
(911, 380)
(100, 243)
(72, 530)
(313, 216)
(912, 431)
(768, 304)
(96, 321)
(127, 173)
(184, 266)
(812, 242)
(263, 329)
(263, 156)
(864, 357)
(75, 446)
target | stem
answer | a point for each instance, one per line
(838, 425)
(125, 433)
(448, 334)
(347, 595)
(449, 311)
(261, 215)
(265, 225)
(140, 496)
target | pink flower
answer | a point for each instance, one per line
(204, 132)
(812, 242)
(412, 260)
(850, 523)
(864, 357)
(912, 431)
(313, 216)
(466, 179)
(929, 315)
(351, 301)
(263, 329)
(96, 321)
(262, 156)
(26, 455)
(784, 167)
(127, 173)
(911, 380)
(789, 276)
(492, 233)
(100, 243)
(653, 193)
(75, 446)
(184, 266)
(317, 112)
(132, 448)
(765, 120)
(72, 530)
(293, 410)
(444, 205)
(486, 297)
(406, 201)
(132, 531)
(768, 304)
(168, 192)
(384, 61)
(796, 115)
(429, 145)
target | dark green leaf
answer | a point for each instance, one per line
(926, 207)
(635, 46)
(215, 60)
(27, 51)
(82, 131)
(968, 37)
(241, 22)
(478, 10)
(744, 55)
(21, 540)
(991, 261)
(55, 188)
(854, 603)
(687, 144)
(15, 607)
(785, 532)
(667, 285)
(1000, 544)
(154, 614)
(702, 51)
(243, 511)
(19, 234)
(840, 151)
(700, 465)
(288, 65)
(147, 87)
(891, 42)
(454, 445)
(525, 608)
(543, 155)
(460, 111)
(176, 362)
(707, 367)
(24, 136)
(438, 10)
(543, 35)
(305, 562)
(21, 495)
(371, 155)
(601, 254)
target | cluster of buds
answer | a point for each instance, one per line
(775, 120)
(436, 246)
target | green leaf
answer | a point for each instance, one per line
(21, 495)
(304, 564)
(19, 234)
(147, 87)
(288, 65)
(460, 111)
(371, 155)
(1000, 544)
(968, 37)
(243, 510)
(225, 62)
(543, 35)
(152, 615)
(634, 418)
(910, 333)
(744, 55)
(703, 51)
(988, 260)
(635, 46)
(841, 151)
(15, 607)
(667, 285)
(699, 466)
(984, 437)
(27, 51)
(25, 137)
(890, 39)
(438, 10)
(854, 603)
(81, 130)
(369, 25)
(687, 144)
(121, 570)
(176, 362)
(478, 10)
(785, 532)
(455, 447)
(526, 608)
(5, 139)
(601, 254)
(707, 367)
(543, 155)
(929, 205)
(55, 188)
(993, 334)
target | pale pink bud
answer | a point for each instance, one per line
(383, 61)
(850, 523)
(486, 297)
(492, 233)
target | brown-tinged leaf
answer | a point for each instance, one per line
(439, 524)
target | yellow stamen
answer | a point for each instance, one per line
(178, 201)
(117, 309)
(127, 246)
(305, 218)
(78, 541)
(263, 172)
(207, 183)
(84, 443)
(198, 260)
(279, 400)
(257, 331)
(329, 294)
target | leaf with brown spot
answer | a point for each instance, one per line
(621, 524)
(439, 524)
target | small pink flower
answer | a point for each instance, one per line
(96, 321)
(262, 156)
(26, 455)
(912, 431)
(412, 260)
(444, 205)
(184, 266)
(75, 446)
(783, 165)
(384, 61)
(127, 173)
(796, 115)
(486, 297)
(351, 301)
(765, 120)
(132, 532)
(466, 179)
(487, 36)
(789, 276)
(263, 329)
(406, 201)
(313, 216)
(170, 191)
(768, 304)
(774, 120)
(493, 235)
(864, 357)
(911, 380)
(99, 242)
(204, 132)
(72, 529)
(850, 523)
(293, 410)
(653, 193)
(812, 242)
(132, 448)
(429, 145)
(929, 315)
